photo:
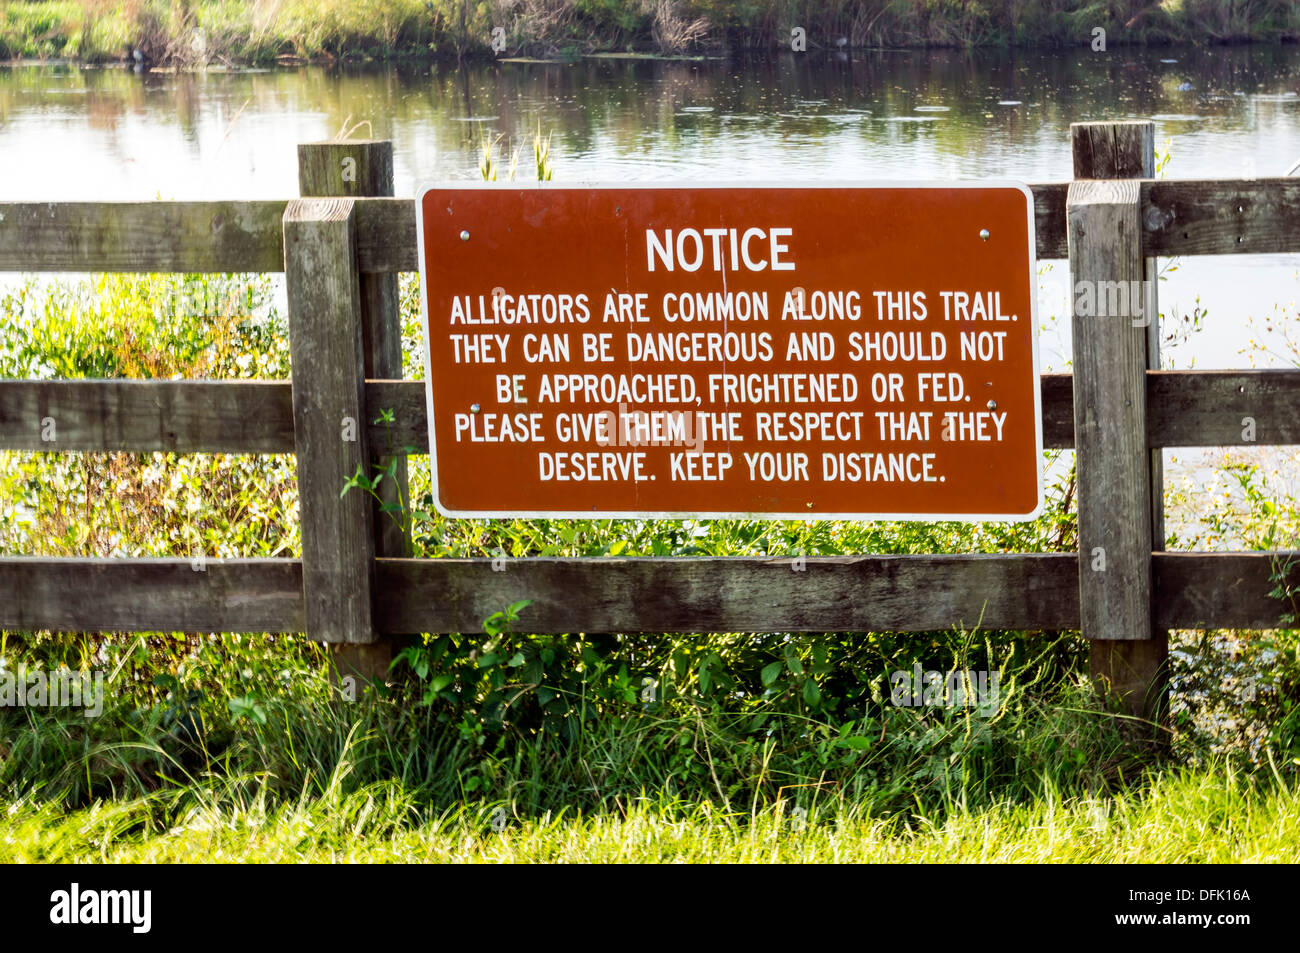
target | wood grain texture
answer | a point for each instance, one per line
(323, 287)
(1127, 150)
(1057, 403)
(1180, 217)
(1113, 150)
(365, 168)
(1049, 220)
(386, 235)
(346, 168)
(1221, 217)
(147, 416)
(151, 595)
(1132, 672)
(1110, 418)
(242, 236)
(1210, 408)
(1224, 590)
(832, 593)
(406, 400)
(1135, 672)
(684, 594)
(141, 236)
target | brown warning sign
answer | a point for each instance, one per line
(791, 351)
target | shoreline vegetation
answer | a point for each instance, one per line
(193, 33)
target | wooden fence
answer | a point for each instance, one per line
(341, 248)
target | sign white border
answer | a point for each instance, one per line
(427, 186)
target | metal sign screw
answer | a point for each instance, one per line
(984, 234)
(464, 236)
(474, 408)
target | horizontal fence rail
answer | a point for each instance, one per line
(1185, 409)
(1179, 217)
(641, 594)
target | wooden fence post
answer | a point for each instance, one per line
(1120, 482)
(329, 425)
(355, 167)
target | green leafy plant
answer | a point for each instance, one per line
(398, 508)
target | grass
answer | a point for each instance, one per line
(1186, 816)
(239, 31)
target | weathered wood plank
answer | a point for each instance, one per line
(410, 428)
(1057, 402)
(1184, 409)
(1221, 217)
(141, 236)
(184, 236)
(364, 167)
(1110, 419)
(346, 168)
(1210, 408)
(147, 416)
(245, 235)
(1194, 408)
(1142, 145)
(199, 416)
(1049, 220)
(323, 287)
(151, 595)
(1223, 590)
(1133, 670)
(386, 235)
(358, 168)
(1179, 216)
(1122, 149)
(831, 593)
(687, 594)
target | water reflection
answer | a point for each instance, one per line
(910, 113)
